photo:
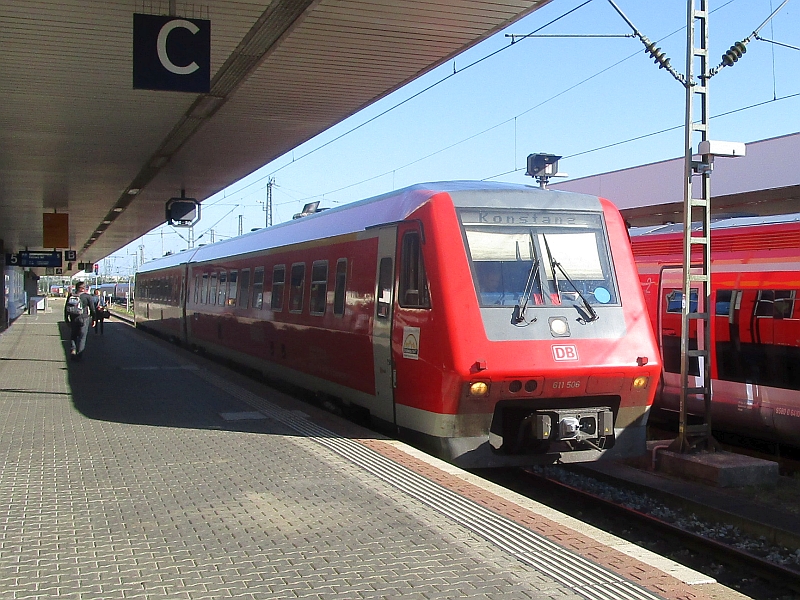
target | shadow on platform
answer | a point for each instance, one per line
(126, 377)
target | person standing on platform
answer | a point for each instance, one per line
(79, 312)
(100, 311)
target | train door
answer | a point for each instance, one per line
(183, 300)
(670, 316)
(382, 326)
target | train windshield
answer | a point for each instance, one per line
(539, 258)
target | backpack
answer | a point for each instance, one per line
(74, 308)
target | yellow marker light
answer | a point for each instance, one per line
(640, 382)
(479, 388)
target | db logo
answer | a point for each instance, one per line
(563, 352)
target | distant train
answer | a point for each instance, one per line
(118, 292)
(755, 324)
(492, 324)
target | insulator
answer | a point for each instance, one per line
(734, 54)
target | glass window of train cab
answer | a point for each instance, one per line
(319, 287)
(223, 288)
(413, 282)
(296, 287)
(233, 281)
(278, 283)
(244, 288)
(212, 290)
(258, 287)
(340, 287)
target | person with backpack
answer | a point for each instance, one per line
(79, 312)
(100, 309)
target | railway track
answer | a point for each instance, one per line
(753, 575)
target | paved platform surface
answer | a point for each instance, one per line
(146, 472)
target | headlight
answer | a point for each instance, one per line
(640, 383)
(559, 327)
(479, 388)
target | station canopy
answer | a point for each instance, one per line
(77, 138)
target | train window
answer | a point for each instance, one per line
(319, 287)
(244, 287)
(385, 278)
(341, 286)
(675, 301)
(204, 289)
(296, 285)
(223, 288)
(258, 287)
(196, 288)
(784, 304)
(778, 304)
(722, 306)
(761, 351)
(413, 282)
(233, 281)
(278, 283)
(212, 290)
(539, 258)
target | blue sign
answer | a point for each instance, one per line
(39, 259)
(171, 53)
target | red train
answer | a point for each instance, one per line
(755, 324)
(493, 324)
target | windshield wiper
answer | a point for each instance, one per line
(554, 264)
(519, 311)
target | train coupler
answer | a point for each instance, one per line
(558, 429)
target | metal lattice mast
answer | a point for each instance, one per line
(697, 242)
(268, 201)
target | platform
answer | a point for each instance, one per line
(144, 471)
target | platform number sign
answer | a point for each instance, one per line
(171, 53)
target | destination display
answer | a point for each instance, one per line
(30, 258)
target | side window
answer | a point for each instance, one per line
(212, 291)
(319, 287)
(341, 286)
(722, 306)
(204, 289)
(223, 288)
(413, 283)
(278, 282)
(296, 285)
(384, 298)
(196, 288)
(244, 288)
(233, 280)
(778, 304)
(258, 287)
(675, 301)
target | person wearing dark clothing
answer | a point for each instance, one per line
(80, 313)
(100, 312)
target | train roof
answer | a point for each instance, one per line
(357, 216)
(721, 222)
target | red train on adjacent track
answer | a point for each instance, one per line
(494, 324)
(755, 324)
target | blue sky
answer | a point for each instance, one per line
(566, 96)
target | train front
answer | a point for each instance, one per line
(555, 357)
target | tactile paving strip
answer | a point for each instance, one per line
(584, 577)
